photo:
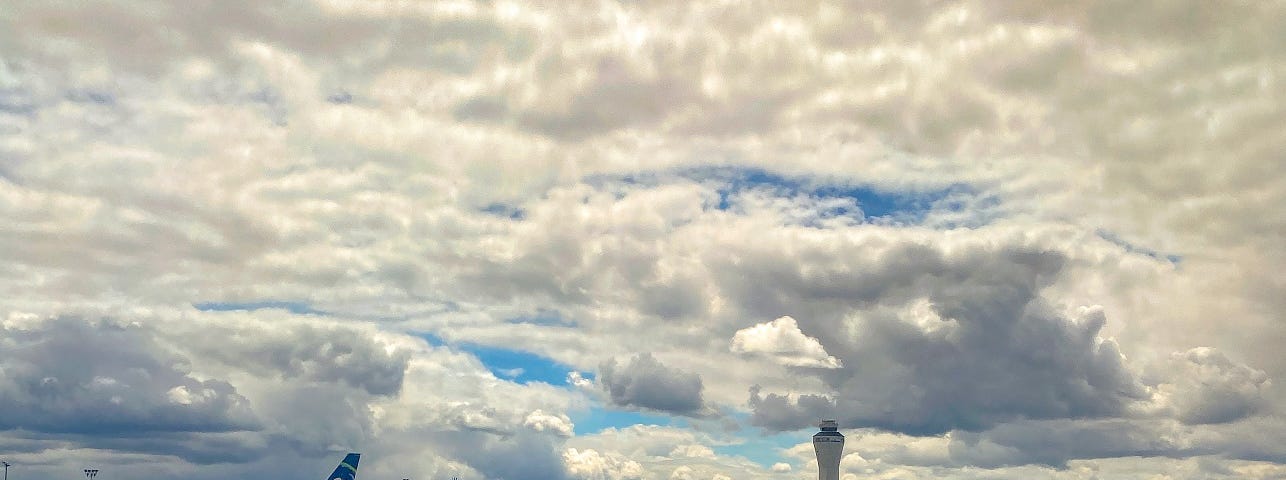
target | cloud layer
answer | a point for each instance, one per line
(620, 240)
(986, 349)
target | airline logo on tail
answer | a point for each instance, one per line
(347, 469)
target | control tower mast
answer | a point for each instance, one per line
(829, 445)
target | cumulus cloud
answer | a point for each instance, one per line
(589, 464)
(1005, 353)
(782, 340)
(69, 383)
(647, 383)
(1204, 386)
(520, 454)
(780, 412)
(73, 376)
(540, 421)
(681, 473)
(296, 350)
(453, 417)
(576, 379)
(692, 451)
(660, 451)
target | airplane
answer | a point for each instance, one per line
(347, 469)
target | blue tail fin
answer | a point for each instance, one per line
(347, 469)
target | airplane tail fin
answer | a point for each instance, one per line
(347, 469)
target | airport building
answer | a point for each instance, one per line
(829, 445)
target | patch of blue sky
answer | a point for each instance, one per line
(765, 448)
(433, 340)
(1115, 239)
(545, 318)
(16, 101)
(91, 96)
(340, 98)
(873, 202)
(265, 95)
(517, 366)
(272, 103)
(21, 101)
(524, 367)
(597, 419)
(298, 308)
(865, 203)
(965, 208)
(507, 211)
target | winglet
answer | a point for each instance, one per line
(347, 469)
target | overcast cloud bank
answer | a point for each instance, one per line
(1025, 241)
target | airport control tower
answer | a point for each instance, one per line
(829, 445)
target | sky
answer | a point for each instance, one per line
(618, 240)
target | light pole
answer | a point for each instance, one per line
(91, 473)
(6, 469)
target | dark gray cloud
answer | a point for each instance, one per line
(1056, 442)
(199, 448)
(314, 419)
(986, 349)
(1059, 443)
(317, 353)
(646, 383)
(779, 412)
(68, 375)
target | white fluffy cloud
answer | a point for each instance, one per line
(782, 340)
(541, 421)
(591, 465)
(1204, 386)
(660, 452)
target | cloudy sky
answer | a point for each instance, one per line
(598, 240)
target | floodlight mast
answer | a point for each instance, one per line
(829, 446)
